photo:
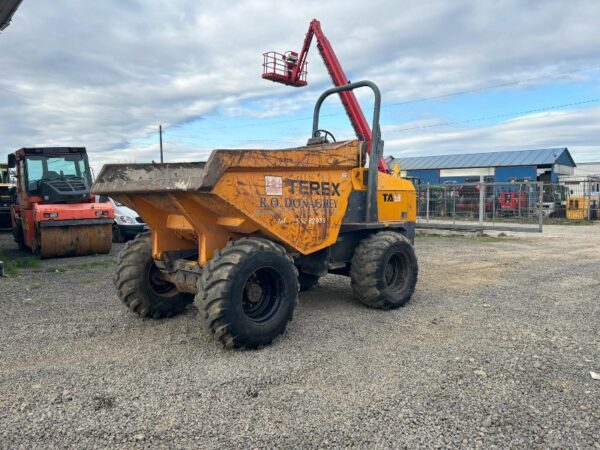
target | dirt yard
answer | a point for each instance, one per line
(494, 350)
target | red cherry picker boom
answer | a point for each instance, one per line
(290, 68)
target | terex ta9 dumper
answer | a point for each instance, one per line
(55, 214)
(245, 230)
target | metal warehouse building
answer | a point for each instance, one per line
(534, 165)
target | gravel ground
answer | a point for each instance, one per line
(494, 350)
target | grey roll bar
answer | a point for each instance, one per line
(376, 142)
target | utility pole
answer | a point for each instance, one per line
(161, 149)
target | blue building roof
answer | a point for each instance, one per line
(540, 157)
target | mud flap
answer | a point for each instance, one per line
(74, 240)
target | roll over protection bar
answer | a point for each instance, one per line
(376, 142)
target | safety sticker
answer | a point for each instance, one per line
(273, 185)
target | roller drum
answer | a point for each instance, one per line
(74, 240)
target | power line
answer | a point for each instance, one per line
(426, 99)
(497, 116)
(491, 87)
(455, 122)
(392, 104)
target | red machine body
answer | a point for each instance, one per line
(55, 214)
(513, 201)
(468, 199)
(290, 69)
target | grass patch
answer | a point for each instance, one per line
(87, 267)
(90, 266)
(12, 265)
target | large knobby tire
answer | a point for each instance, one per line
(384, 270)
(248, 292)
(307, 281)
(141, 286)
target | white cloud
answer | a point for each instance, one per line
(103, 74)
(576, 129)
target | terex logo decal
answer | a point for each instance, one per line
(305, 187)
(273, 185)
(305, 201)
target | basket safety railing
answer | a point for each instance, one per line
(277, 68)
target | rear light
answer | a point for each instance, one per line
(101, 213)
(51, 215)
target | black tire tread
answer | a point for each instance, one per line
(214, 285)
(130, 264)
(363, 269)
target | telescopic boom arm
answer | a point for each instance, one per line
(290, 69)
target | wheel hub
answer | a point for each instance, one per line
(262, 294)
(389, 273)
(156, 281)
(253, 292)
(394, 272)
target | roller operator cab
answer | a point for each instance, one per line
(243, 232)
(55, 214)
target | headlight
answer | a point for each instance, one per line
(51, 215)
(126, 219)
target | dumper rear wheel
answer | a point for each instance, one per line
(248, 292)
(384, 270)
(141, 286)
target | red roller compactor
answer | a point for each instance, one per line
(55, 214)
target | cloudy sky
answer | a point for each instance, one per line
(459, 76)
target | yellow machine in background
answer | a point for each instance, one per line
(247, 229)
(582, 207)
(577, 207)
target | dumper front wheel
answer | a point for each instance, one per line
(248, 292)
(384, 270)
(141, 286)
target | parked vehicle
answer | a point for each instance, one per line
(468, 199)
(512, 203)
(128, 223)
(555, 200)
(55, 214)
(247, 229)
